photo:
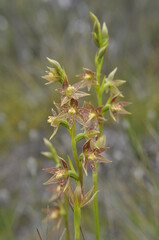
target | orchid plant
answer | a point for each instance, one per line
(68, 113)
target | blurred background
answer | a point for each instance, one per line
(30, 30)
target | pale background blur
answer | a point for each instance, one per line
(30, 30)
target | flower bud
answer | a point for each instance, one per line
(47, 154)
(102, 51)
(95, 39)
(104, 31)
(55, 64)
(52, 151)
(96, 27)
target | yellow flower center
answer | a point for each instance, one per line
(72, 111)
(91, 115)
(50, 74)
(87, 77)
(92, 156)
(116, 107)
(59, 174)
(54, 214)
(69, 90)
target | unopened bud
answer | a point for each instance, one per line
(94, 18)
(47, 143)
(47, 154)
(52, 150)
(96, 28)
(79, 137)
(95, 39)
(101, 142)
(55, 64)
(102, 51)
(104, 31)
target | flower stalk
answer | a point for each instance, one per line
(67, 181)
(74, 150)
(66, 218)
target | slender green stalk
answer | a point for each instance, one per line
(66, 218)
(95, 175)
(77, 219)
(99, 63)
(77, 210)
(95, 206)
(74, 150)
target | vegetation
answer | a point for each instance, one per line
(128, 187)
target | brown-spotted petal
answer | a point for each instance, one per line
(51, 170)
(86, 146)
(102, 159)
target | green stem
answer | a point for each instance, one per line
(77, 218)
(75, 155)
(95, 205)
(99, 62)
(66, 218)
(77, 210)
(95, 175)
